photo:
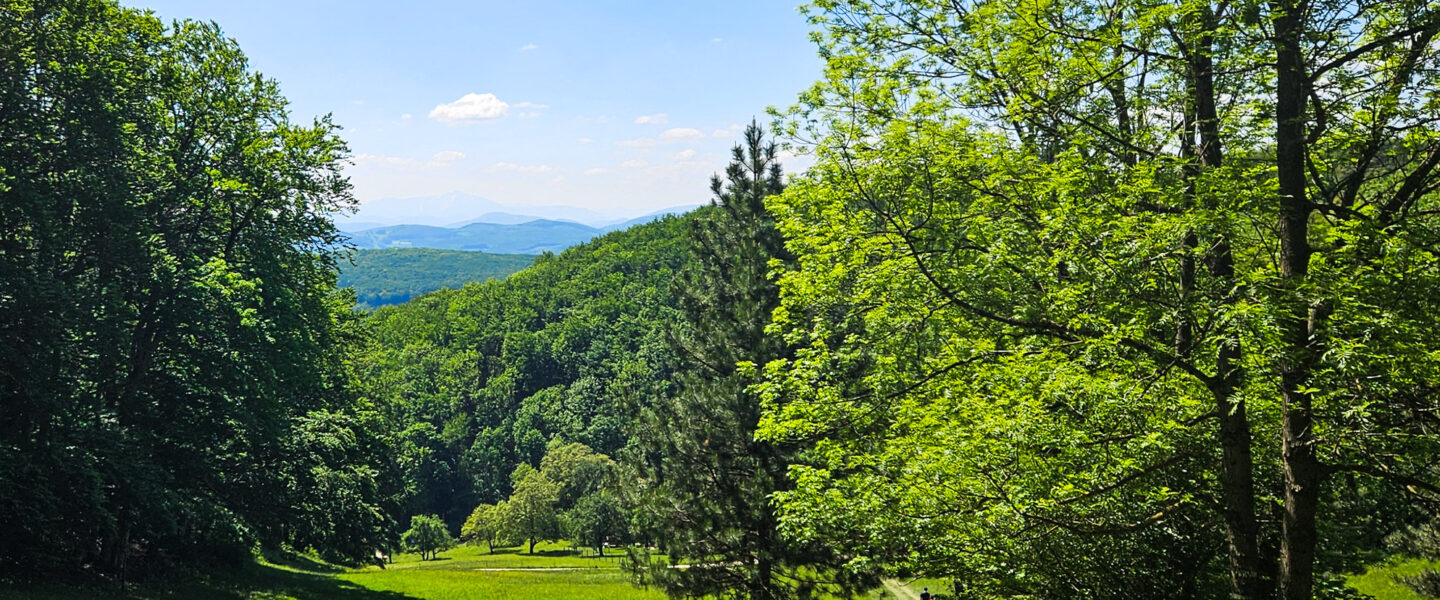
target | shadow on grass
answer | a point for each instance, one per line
(266, 583)
(299, 562)
(258, 582)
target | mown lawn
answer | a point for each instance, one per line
(553, 573)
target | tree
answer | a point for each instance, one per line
(703, 475)
(1072, 241)
(597, 518)
(175, 365)
(427, 535)
(485, 524)
(531, 515)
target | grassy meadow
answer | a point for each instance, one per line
(554, 572)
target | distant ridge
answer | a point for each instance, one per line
(532, 236)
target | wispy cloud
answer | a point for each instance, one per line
(684, 155)
(585, 140)
(528, 47)
(445, 157)
(634, 163)
(681, 133)
(440, 159)
(655, 119)
(519, 168)
(470, 109)
(529, 110)
(597, 171)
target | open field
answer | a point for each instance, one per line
(555, 572)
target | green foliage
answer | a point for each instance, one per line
(702, 477)
(485, 524)
(578, 470)
(1067, 271)
(476, 381)
(427, 535)
(175, 385)
(395, 275)
(531, 515)
(597, 518)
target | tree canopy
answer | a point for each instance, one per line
(174, 379)
(1068, 270)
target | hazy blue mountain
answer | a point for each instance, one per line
(353, 226)
(532, 237)
(495, 232)
(674, 210)
(457, 207)
(499, 218)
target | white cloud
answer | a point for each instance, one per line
(717, 40)
(518, 168)
(447, 156)
(634, 163)
(681, 133)
(470, 109)
(586, 140)
(382, 160)
(596, 171)
(405, 117)
(439, 160)
(528, 47)
(529, 110)
(727, 132)
(684, 155)
(655, 119)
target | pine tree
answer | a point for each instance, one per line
(703, 476)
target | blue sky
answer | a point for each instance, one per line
(619, 107)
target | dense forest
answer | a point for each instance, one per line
(484, 378)
(395, 275)
(1078, 300)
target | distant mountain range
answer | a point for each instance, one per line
(481, 234)
(456, 209)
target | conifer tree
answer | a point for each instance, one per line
(706, 480)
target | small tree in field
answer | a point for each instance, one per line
(485, 524)
(427, 535)
(596, 518)
(531, 515)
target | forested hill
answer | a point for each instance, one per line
(395, 275)
(480, 379)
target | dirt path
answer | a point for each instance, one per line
(898, 590)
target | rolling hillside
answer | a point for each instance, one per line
(395, 275)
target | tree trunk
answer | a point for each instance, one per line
(1237, 464)
(532, 546)
(1298, 323)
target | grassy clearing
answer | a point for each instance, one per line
(487, 585)
(548, 555)
(555, 572)
(1379, 580)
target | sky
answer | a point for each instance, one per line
(621, 107)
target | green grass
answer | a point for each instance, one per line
(555, 572)
(548, 555)
(1379, 580)
(607, 584)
